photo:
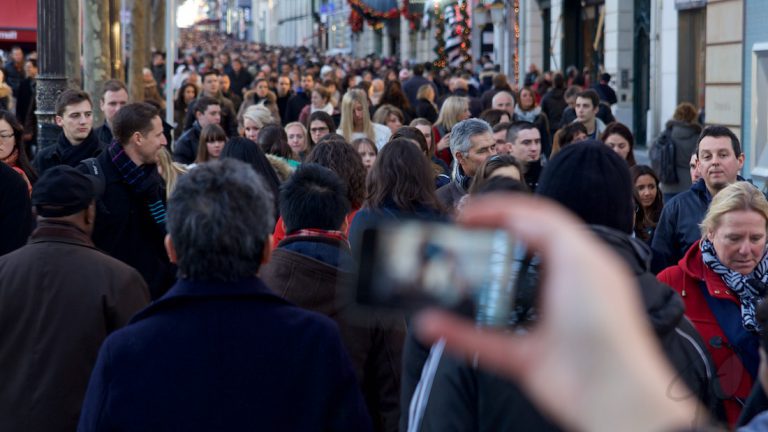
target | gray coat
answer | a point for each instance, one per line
(59, 299)
(685, 137)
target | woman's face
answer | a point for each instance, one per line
(261, 89)
(394, 123)
(357, 113)
(646, 189)
(317, 130)
(251, 129)
(618, 144)
(505, 119)
(189, 94)
(427, 131)
(739, 240)
(318, 101)
(526, 100)
(369, 156)
(215, 148)
(296, 140)
(7, 139)
(466, 114)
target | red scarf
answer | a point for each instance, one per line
(313, 232)
(12, 161)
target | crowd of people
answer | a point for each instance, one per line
(187, 275)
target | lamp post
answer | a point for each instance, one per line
(52, 79)
(479, 20)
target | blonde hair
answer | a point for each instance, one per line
(737, 196)
(452, 109)
(259, 114)
(169, 170)
(382, 114)
(303, 128)
(346, 125)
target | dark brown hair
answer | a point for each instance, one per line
(490, 165)
(402, 176)
(210, 133)
(70, 97)
(341, 158)
(654, 214)
(619, 129)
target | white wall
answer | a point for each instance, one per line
(619, 54)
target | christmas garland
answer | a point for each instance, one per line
(413, 18)
(362, 12)
(442, 56)
(466, 40)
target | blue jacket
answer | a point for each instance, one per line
(678, 226)
(224, 356)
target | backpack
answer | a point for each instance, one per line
(663, 157)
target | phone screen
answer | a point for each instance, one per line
(408, 265)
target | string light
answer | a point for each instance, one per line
(440, 62)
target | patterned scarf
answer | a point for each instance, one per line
(313, 232)
(142, 179)
(749, 288)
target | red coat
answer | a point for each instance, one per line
(686, 279)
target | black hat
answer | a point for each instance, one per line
(592, 181)
(63, 191)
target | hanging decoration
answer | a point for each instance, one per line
(374, 17)
(355, 21)
(464, 30)
(442, 56)
(516, 56)
(414, 18)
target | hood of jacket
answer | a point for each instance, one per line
(281, 167)
(683, 131)
(663, 306)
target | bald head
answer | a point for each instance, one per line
(504, 100)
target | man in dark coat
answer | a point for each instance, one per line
(60, 298)
(284, 94)
(221, 351)
(553, 103)
(16, 219)
(77, 141)
(206, 111)
(14, 69)
(114, 97)
(298, 101)
(411, 86)
(130, 216)
(720, 159)
(239, 77)
(316, 253)
(212, 89)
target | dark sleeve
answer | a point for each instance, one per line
(94, 415)
(15, 211)
(663, 243)
(569, 115)
(383, 373)
(349, 412)
(183, 152)
(126, 298)
(756, 403)
(189, 119)
(453, 397)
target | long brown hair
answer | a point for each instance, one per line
(402, 175)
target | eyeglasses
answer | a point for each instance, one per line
(6, 136)
(320, 129)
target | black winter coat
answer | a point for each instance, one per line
(64, 153)
(16, 219)
(125, 229)
(185, 148)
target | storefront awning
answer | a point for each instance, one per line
(18, 22)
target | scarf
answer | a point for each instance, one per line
(529, 116)
(328, 108)
(12, 160)
(314, 232)
(72, 154)
(141, 179)
(749, 288)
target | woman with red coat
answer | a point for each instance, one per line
(722, 278)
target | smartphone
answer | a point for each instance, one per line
(406, 265)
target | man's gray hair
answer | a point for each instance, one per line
(219, 217)
(464, 130)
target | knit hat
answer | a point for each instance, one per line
(592, 181)
(63, 191)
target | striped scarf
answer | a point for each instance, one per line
(142, 179)
(749, 288)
